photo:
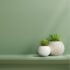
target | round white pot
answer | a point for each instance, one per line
(57, 47)
(44, 50)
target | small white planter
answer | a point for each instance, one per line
(44, 50)
(57, 47)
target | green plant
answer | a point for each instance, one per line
(54, 37)
(44, 42)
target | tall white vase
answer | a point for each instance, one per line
(57, 47)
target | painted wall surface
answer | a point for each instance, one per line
(23, 23)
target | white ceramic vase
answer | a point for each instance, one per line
(57, 47)
(44, 50)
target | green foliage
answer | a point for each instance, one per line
(54, 37)
(44, 42)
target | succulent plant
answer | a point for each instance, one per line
(44, 42)
(54, 37)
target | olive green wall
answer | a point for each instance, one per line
(23, 23)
